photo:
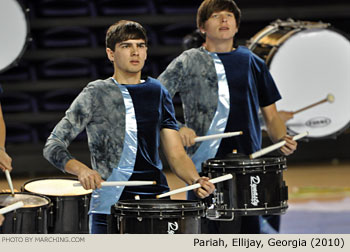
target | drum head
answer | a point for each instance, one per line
(15, 30)
(55, 187)
(29, 200)
(306, 68)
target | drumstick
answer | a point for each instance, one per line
(9, 181)
(194, 186)
(275, 146)
(11, 207)
(123, 183)
(329, 98)
(215, 136)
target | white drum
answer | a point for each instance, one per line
(308, 61)
(14, 30)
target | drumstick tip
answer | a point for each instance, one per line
(330, 98)
(154, 182)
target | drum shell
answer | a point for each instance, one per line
(26, 220)
(262, 177)
(158, 217)
(67, 214)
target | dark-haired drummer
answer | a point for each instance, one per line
(126, 119)
(222, 89)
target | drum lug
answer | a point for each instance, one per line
(40, 221)
(14, 223)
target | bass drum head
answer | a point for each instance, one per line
(15, 30)
(55, 187)
(306, 68)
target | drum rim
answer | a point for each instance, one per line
(27, 39)
(245, 163)
(148, 206)
(23, 189)
(31, 194)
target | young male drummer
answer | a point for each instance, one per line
(222, 89)
(125, 118)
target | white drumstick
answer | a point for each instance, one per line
(123, 183)
(9, 181)
(215, 136)
(275, 146)
(329, 98)
(11, 207)
(194, 186)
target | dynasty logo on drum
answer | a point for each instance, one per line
(318, 122)
(172, 227)
(254, 181)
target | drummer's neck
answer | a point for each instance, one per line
(219, 46)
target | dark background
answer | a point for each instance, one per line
(66, 51)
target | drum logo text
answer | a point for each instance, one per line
(254, 181)
(318, 122)
(172, 227)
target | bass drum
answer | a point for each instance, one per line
(308, 61)
(14, 28)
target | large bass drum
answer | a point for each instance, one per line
(308, 61)
(14, 28)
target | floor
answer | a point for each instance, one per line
(319, 197)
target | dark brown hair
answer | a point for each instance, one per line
(124, 30)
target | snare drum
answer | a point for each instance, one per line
(70, 205)
(257, 187)
(308, 61)
(156, 216)
(29, 219)
(13, 23)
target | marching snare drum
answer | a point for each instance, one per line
(15, 30)
(308, 61)
(156, 216)
(29, 219)
(257, 187)
(70, 205)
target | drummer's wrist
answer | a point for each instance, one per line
(2, 149)
(195, 181)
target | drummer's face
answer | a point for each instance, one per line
(221, 25)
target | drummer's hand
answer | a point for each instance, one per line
(5, 161)
(285, 115)
(187, 136)
(1, 219)
(88, 178)
(206, 188)
(290, 145)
